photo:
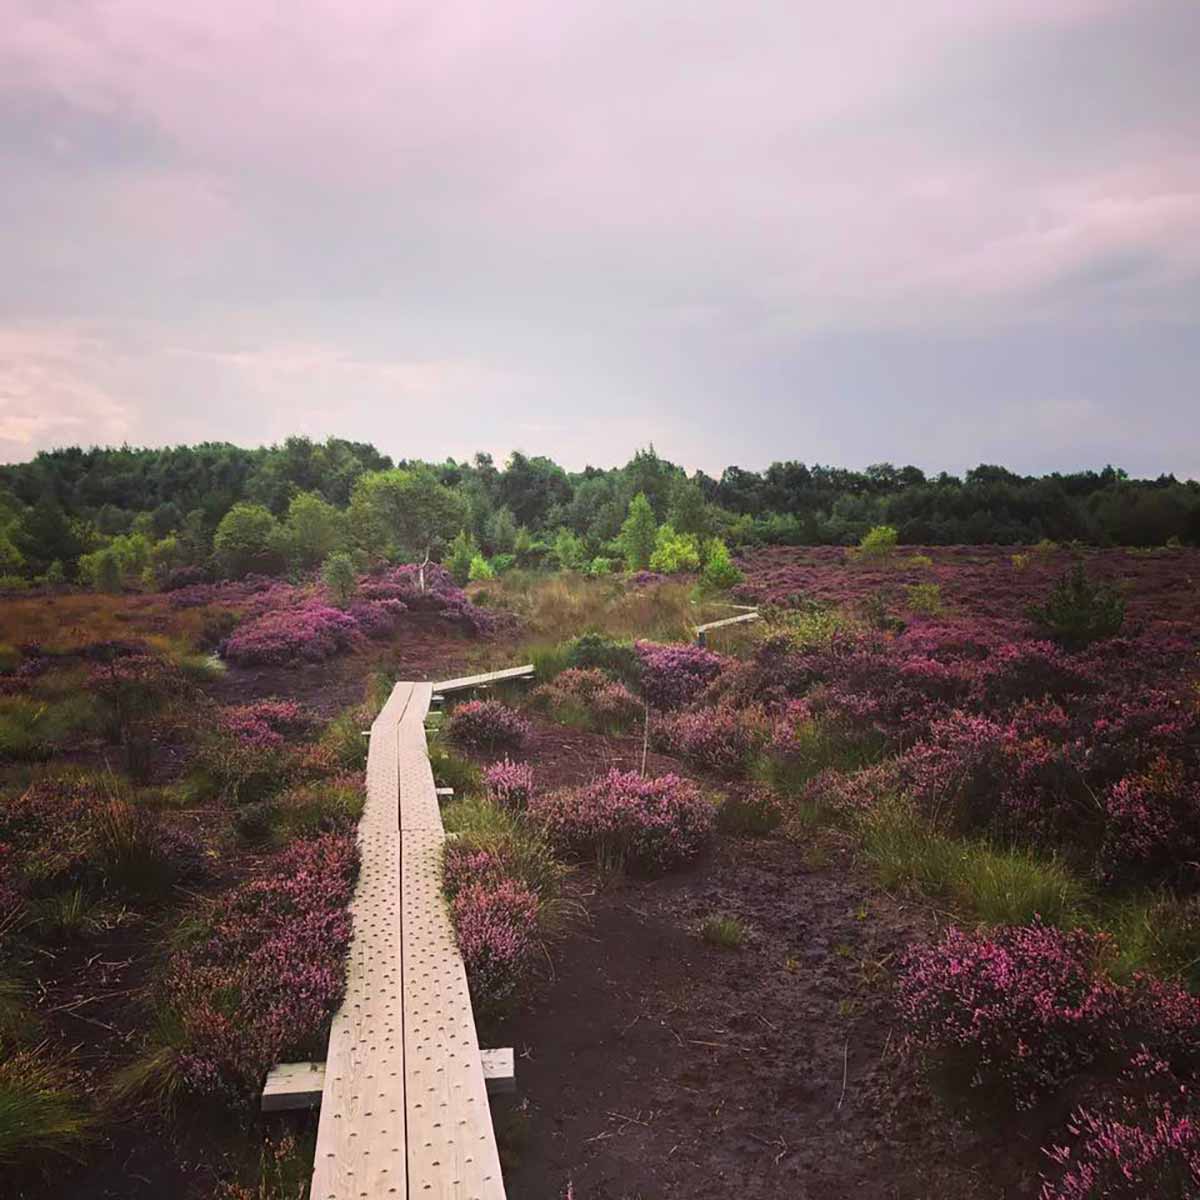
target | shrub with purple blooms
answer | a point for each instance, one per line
(310, 633)
(675, 675)
(260, 985)
(488, 725)
(509, 784)
(721, 740)
(496, 924)
(622, 818)
(1012, 1013)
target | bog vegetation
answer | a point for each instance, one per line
(1011, 737)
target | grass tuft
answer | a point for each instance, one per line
(728, 933)
(41, 1116)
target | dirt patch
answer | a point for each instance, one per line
(655, 1065)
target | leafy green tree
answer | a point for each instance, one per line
(570, 552)
(106, 574)
(462, 553)
(719, 572)
(339, 576)
(480, 569)
(55, 574)
(1078, 612)
(44, 534)
(502, 531)
(247, 539)
(314, 529)
(638, 533)
(405, 513)
(674, 551)
(879, 541)
(688, 512)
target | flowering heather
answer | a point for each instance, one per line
(441, 596)
(509, 784)
(721, 740)
(377, 618)
(464, 864)
(497, 931)
(265, 724)
(652, 824)
(675, 675)
(1152, 827)
(311, 633)
(589, 693)
(1031, 671)
(1017, 1010)
(1129, 1155)
(260, 987)
(488, 725)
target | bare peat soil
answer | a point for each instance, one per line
(656, 1066)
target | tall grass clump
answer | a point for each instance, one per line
(42, 1117)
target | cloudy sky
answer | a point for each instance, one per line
(937, 231)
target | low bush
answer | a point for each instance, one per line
(755, 813)
(258, 984)
(594, 651)
(721, 740)
(509, 784)
(925, 598)
(1011, 1014)
(487, 725)
(309, 634)
(140, 855)
(516, 846)
(879, 542)
(496, 926)
(623, 820)
(590, 699)
(1078, 611)
(674, 675)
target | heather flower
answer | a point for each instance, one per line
(496, 926)
(509, 784)
(488, 725)
(652, 824)
(590, 694)
(721, 740)
(310, 633)
(1152, 827)
(675, 675)
(1017, 1010)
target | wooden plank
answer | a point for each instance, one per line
(292, 1086)
(451, 1145)
(738, 620)
(361, 1146)
(473, 681)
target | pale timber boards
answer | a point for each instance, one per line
(472, 681)
(451, 1144)
(739, 620)
(361, 1149)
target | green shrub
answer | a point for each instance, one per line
(461, 554)
(343, 737)
(480, 570)
(879, 542)
(1078, 612)
(340, 578)
(719, 573)
(500, 563)
(674, 552)
(726, 932)
(595, 650)
(570, 551)
(602, 566)
(248, 539)
(925, 598)
(637, 538)
(453, 771)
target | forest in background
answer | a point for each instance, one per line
(295, 503)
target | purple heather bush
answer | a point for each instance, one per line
(261, 986)
(1152, 826)
(1012, 1013)
(590, 696)
(1130, 1155)
(464, 864)
(675, 675)
(509, 784)
(649, 824)
(721, 740)
(311, 633)
(488, 725)
(496, 924)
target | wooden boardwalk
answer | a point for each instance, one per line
(404, 1111)
(467, 682)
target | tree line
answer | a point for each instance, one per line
(76, 513)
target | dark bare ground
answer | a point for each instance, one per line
(655, 1066)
